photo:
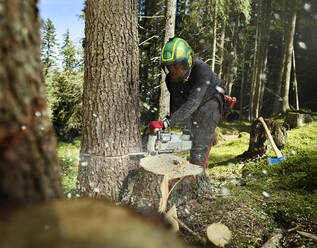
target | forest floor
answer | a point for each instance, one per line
(253, 199)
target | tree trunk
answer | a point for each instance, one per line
(289, 48)
(222, 46)
(241, 100)
(29, 170)
(110, 100)
(266, 37)
(261, 56)
(164, 106)
(295, 86)
(214, 33)
(253, 80)
(277, 105)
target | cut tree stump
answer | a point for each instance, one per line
(259, 144)
(294, 120)
(165, 178)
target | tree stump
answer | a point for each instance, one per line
(259, 144)
(164, 178)
(294, 120)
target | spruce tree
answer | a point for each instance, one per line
(48, 46)
(68, 53)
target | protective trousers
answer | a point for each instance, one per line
(204, 122)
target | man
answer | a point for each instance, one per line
(195, 98)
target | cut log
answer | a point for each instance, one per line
(165, 180)
(259, 143)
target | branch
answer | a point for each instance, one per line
(151, 17)
(196, 235)
(155, 36)
(307, 235)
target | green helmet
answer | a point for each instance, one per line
(176, 50)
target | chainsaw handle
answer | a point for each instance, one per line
(233, 100)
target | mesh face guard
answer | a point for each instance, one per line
(175, 51)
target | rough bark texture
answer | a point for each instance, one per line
(259, 144)
(144, 190)
(110, 101)
(29, 169)
(170, 16)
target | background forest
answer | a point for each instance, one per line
(264, 52)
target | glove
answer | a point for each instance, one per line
(158, 125)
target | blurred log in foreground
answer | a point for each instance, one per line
(84, 223)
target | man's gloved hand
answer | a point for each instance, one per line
(158, 125)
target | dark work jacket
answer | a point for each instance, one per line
(187, 97)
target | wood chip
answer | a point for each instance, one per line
(171, 217)
(219, 234)
(165, 194)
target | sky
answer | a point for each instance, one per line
(65, 15)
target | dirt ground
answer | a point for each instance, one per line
(245, 215)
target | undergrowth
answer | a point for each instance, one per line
(286, 191)
(282, 195)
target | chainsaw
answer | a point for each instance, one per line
(164, 142)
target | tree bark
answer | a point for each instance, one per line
(222, 46)
(214, 33)
(29, 170)
(261, 56)
(266, 38)
(164, 106)
(110, 99)
(277, 105)
(289, 50)
(253, 79)
(243, 79)
(295, 85)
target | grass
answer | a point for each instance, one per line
(68, 156)
(282, 195)
(286, 192)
